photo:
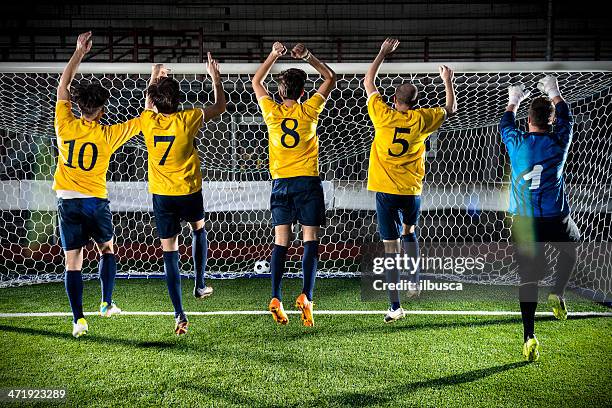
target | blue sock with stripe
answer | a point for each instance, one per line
(199, 250)
(410, 245)
(392, 275)
(277, 268)
(309, 267)
(74, 289)
(173, 280)
(108, 270)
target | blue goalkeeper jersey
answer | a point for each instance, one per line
(537, 161)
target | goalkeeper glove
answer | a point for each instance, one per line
(516, 94)
(549, 86)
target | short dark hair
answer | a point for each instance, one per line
(407, 94)
(90, 97)
(541, 111)
(291, 83)
(165, 95)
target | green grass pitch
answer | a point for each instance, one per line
(345, 360)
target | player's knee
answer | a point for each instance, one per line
(170, 244)
(391, 246)
(408, 229)
(310, 234)
(198, 225)
(106, 248)
(282, 240)
(282, 235)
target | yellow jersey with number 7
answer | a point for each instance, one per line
(292, 136)
(173, 162)
(397, 156)
(85, 149)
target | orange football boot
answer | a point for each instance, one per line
(278, 312)
(305, 306)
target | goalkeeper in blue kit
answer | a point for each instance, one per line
(538, 200)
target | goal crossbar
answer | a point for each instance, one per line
(339, 68)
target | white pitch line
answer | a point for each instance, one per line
(317, 312)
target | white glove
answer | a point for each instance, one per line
(516, 94)
(549, 86)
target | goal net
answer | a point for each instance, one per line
(464, 198)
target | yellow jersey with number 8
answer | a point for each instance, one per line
(173, 163)
(292, 136)
(85, 149)
(397, 156)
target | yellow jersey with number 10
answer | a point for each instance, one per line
(397, 156)
(173, 164)
(292, 136)
(85, 149)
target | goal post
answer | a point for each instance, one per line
(465, 187)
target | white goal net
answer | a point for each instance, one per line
(464, 198)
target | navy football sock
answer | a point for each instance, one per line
(566, 261)
(173, 280)
(393, 276)
(309, 267)
(199, 250)
(410, 245)
(528, 310)
(277, 268)
(74, 289)
(528, 295)
(108, 270)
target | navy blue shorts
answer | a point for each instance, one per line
(171, 210)
(83, 218)
(393, 210)
(297, 199)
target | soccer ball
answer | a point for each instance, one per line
(262, 267)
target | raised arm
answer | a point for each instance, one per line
(83, 46)
(262, 72)
(549, 86)
(564, 120)
(157, 71)
(507, 124)
(219, 106)
(328, 74)
(449, 87)
(387, 47)
(516, 94)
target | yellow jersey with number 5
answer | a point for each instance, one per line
(292, 136)
(173, 162)
(85, 149)
(397, 156)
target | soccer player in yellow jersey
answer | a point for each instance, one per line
(397, 164)
(297, 191)
(175, 177)
(85, 147)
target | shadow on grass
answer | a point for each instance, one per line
(373, 397)
(96, 338)
(395, 392)
(407, 325)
